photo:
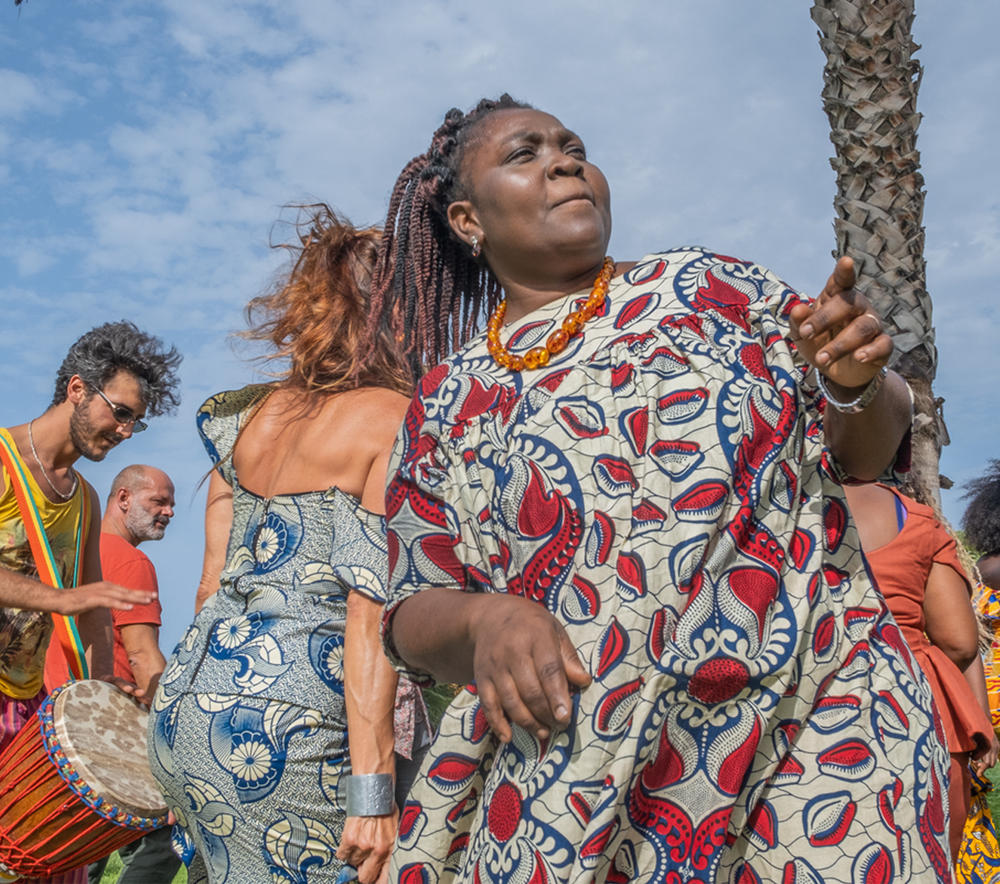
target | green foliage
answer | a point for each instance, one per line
(993, 797)
(974, 554)
(114, 867)
(437, 699)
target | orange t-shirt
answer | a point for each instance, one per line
(127, 566)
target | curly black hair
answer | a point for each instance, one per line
(101, 353)
(981, 522)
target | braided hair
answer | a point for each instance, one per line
(427, 287)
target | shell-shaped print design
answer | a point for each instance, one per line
(614, 475)
(647, 516)
(634, 424)
(631, 573)
(873, 865)
(676, 457)
(681, 405)
(637, 308)
(580, 600)
(703, 502)
(665, 362)
(412, 821)
(762, 826)
(832, 714)
(580, 417)
(600, 539)
(847, 760)
(452, 772)
(610, 650)
(827, 818)
(614, 710)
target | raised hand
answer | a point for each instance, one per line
(525, 665)
(839, 333)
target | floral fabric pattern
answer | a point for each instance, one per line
(248, 733)
(662, 488)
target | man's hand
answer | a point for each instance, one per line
(100, 595)
(525, 665)
(839, 333)
(127, 687)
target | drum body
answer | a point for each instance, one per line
(75, 784)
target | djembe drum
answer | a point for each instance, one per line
(77, 786)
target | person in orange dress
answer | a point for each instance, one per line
(914, 560)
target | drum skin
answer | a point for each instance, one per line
(75, 784)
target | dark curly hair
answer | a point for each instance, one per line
(101, 353)
(981, 521)
(427, 288)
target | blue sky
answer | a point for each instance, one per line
(146, 150)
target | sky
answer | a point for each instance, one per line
(147, 150)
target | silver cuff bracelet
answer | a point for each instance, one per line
(859, 403)
(370, 794)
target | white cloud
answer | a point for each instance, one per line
(19, 93)
(156, 142)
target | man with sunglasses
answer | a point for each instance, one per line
(111, 379)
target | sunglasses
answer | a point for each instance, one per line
(123, 414)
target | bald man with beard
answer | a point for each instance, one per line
(140, 506)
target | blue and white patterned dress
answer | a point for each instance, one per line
(248, 732)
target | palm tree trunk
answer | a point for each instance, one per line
(870, 87)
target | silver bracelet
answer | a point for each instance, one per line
(859, 403)
(370, 794)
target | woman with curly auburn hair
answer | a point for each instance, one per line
(249, 733)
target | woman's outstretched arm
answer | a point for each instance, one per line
(370, 699)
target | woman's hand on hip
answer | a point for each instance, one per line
(839, 333)
(367, 843)
(525, 666)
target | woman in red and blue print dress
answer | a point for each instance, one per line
(635, 548)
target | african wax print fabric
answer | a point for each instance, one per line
(248, 732)
(988, 606)
(663, 489)
(978, 859)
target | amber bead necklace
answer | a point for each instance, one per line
(572, 325)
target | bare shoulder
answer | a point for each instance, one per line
(376, 410)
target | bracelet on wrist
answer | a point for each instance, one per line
(862, 400)
(370, 794)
